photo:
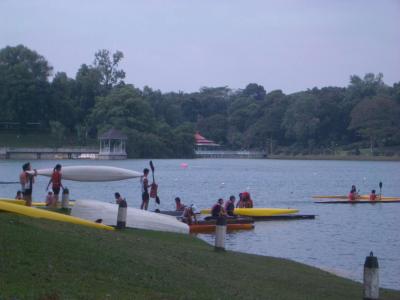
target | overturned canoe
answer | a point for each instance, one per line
(136, 218)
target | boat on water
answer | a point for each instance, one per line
(360, 197)
(359, 201)
(208, 227)
(258, 212)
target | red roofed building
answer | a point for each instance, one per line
(203, 144)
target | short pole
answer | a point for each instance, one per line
(220, 232)
(65, 199)
(121, 218)
(371, 277)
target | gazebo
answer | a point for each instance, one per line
(113, 145)
(202, 144)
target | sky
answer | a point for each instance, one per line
(183, 45)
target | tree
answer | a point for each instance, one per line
(107, 66)
(376, 119)
(24, 88)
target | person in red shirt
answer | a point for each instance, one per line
(353, 193)
(248, 203)
(372, 196)
(55, 180)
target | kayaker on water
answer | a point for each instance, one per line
(240, 203)
(230, 206)
(218, 209)
(353, 193)
(179, 205)
(372, 196)
(248, 203)
(189, 214)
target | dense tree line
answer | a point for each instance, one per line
(364, 114)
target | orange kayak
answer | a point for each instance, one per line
(202, 228)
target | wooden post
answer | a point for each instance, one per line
(64, 199)
(121, 218)
(220, 232)
(371, 277)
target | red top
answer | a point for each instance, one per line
(372, 197)
(352, 196)
(56, 179)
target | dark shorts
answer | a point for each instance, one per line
(145, 196)
(28, 192)
(56, 190)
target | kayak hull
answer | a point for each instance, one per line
(206, 228)
(44, 214)
(258, 212)
(92, 173)
(362, 197)
(357, 201)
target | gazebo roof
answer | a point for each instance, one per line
(201, 140)
(113, 134)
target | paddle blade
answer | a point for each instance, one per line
(151, 166)
(158, 200)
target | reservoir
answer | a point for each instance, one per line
(338, 240)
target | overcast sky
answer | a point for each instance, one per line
(184, 45)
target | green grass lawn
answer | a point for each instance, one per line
(43, 259)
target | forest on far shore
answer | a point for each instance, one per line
(365, 114)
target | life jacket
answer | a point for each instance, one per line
(372, 197)
(352, 196)
(229, 208)
(56, 179)
(216, 210)
(248, 203)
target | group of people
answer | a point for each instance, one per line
(27, 179)
(220, 208)
(353, 194)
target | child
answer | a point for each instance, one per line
(50, 200)
(18, 196)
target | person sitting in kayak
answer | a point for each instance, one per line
(218, 209)
(179, 205)
(230, 206)
(353, 193)
(248, 203)
(240, 203)
(372, 196)
(189, 215)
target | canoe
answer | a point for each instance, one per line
(49, 215)
(92, 173)
(357, 201)
(258, 212)
(363, 197)
(204, 228)
(35, 204)
(238, 220)
(135, 218)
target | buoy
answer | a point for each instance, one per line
(184, 165)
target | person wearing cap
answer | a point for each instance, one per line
(189, 214)
(218, 209)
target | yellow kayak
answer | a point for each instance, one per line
(363, 197)
(258, 212)
(44, 214)
(22, 202)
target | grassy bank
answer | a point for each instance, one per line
(50, 260)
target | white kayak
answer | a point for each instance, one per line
(92, 173)
(136, 218)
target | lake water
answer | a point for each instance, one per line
(338, 240)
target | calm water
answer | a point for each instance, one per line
(337, 241)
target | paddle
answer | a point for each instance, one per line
(154, 186)
(380, 190)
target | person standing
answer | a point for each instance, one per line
(26, 179)
(144, 181)
(55, 180)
